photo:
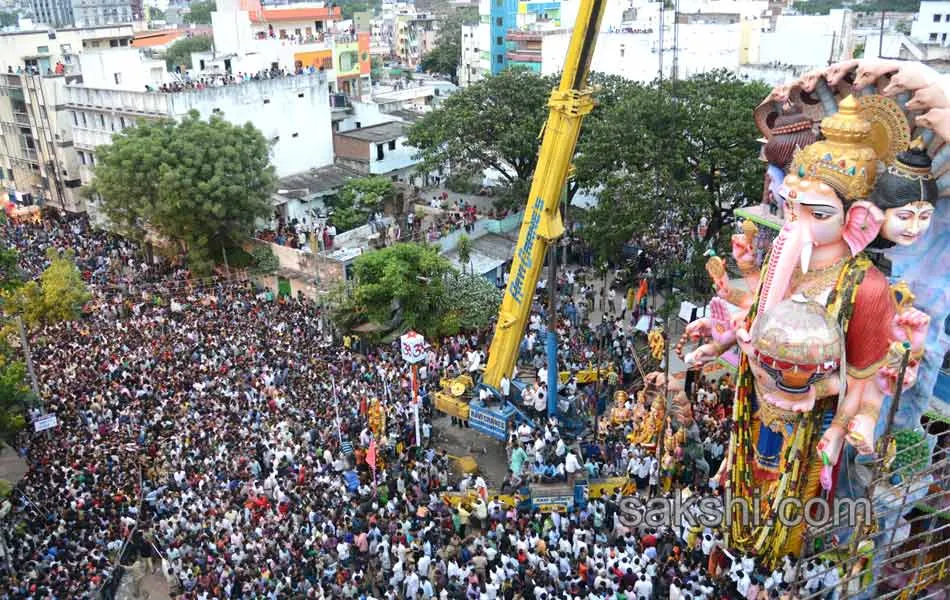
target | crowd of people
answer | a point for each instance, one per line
(189, 83)
(227, 437)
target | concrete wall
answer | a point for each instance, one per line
(69, 41)
(279, 108)
(815, 39)
(393, 160)
(634, 55)
(933, 23)
(121, 69)
(308, 267)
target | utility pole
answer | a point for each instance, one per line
(880, 39)
(224, 254)
(25, 342)
(552, 331)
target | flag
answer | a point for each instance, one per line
(371, 455)
(643, 290)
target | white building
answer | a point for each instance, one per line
(377, 150)
(250, 37)
(932, 23)
(89, 13)
(476, 57)
(293, 113)
(37, 160)
(809, 40)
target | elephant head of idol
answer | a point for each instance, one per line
(827, 217)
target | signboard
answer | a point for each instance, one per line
(552, 502)
(413, 347)
(488, 422)
(45, 422)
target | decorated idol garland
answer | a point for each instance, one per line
(824, 330)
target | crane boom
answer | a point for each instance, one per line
(542, 223)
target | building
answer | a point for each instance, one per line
(377, 150)
(54, 13)
(292, 112)
(416, 35)
(38, 163)
(90, 13)
(250, 38)
(475, 60)
(502, 16)
(302, 196)
(818, 40)
(933, 22)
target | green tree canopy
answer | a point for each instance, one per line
(492, 124)
(155, 14)
(8, 18)
(446, 56)
(179, 53)
(471, 302)
(58, 296)
(358, 199)
(201, 183)
(404, 284)
(200, 13)
(671, 152)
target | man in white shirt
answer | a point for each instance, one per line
(643, 588)
(572, 466)
(505, 388)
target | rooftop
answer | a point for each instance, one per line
(296, 14)
(317, 181)
(409, 116)
(150, 39)
(378, 133)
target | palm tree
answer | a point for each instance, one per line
(464, 249)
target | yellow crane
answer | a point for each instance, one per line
(542, 223)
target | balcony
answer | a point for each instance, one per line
(524, 56)
(524, 36)
(21, 118)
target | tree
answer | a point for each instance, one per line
(464, 249)
(11, 277)
(15, 397)
(403, 284)
(471, 303)
(446, 56)
(8, 18)
(58, 296)
(492, 124)
(358, 199)
(203, 184)
(671, 152)
(200, 12)
(376, 68)
(155, 14)
(179, 53)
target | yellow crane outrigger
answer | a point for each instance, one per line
(542, 223)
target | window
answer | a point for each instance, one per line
(42, 49)
(933, 37)
(499, 59)
(75, 117)
(499, 40)
(499, 21)
(946, 18)
(943, 37)
(122, 122)
(623, 50)
(379, 152)
(936, 18)
(83, 115)
(82, 157)
(102, 121)
(113, 43)
(392, 145)
(117, 77)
